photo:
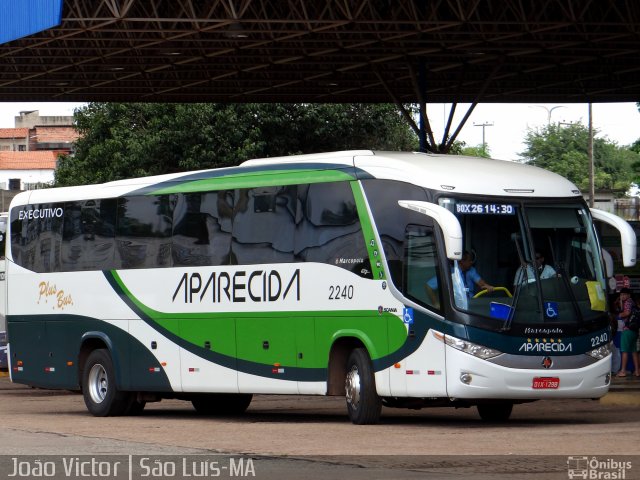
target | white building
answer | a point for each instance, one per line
(26, 170)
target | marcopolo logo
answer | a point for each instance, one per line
(40, 213)
(545, 345)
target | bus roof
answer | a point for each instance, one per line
(457, 174)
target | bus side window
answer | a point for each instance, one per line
(202, 228)
(88, 235)
(263, 225)
(143, 232)
(422, 273)
(328, 229)
(36, 239)
(19, 240)
(391, 220)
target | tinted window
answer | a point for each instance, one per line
(37, 236)
(421, 272)
(88, 238)
(391, 219)
(328, 228)
(264, 225)
(143, 232)
(202, 228)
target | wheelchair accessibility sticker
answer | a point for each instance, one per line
(407, 315)
(551, 309)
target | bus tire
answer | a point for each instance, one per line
(495, 411)
(221, 403)
(101, 396)
(363, 403)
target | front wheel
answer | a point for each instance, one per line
(495, 412)
(101, 396)
(363, 403)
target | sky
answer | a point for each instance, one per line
(619, 122)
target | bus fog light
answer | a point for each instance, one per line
(466, 378)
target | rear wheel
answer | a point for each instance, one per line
(363, 403)
(101, 396)
(221, 403)
(495, 412)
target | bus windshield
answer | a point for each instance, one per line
(541, 262)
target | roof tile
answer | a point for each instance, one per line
(33, 160)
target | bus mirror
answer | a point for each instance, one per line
(445, 219)
(627, 235)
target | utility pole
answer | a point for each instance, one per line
(483, 125)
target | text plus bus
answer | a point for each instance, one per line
(309, 275)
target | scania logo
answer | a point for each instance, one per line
(382, 310)
(547, 362)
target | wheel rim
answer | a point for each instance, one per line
(352, 387)
(98, 383)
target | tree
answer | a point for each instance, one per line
(563, 149)
(481, 150)
(120, 140)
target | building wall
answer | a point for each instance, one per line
(28, 178)
(14, 139)
(53, 138)
(32, 119)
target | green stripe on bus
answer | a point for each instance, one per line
(368, 231)
(263, 179)
(381, 332)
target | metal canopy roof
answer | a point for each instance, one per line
(330, 51)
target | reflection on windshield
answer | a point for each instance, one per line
(542, 263)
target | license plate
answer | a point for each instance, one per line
(540, 383)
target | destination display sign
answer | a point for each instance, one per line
(478, 208)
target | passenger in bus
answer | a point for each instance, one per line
(472, 280)
(525, 273)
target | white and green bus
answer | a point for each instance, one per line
(324, 274)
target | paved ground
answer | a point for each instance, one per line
(291, 435)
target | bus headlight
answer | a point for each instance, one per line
(471, 348)
(601, 352)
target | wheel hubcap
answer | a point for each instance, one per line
(98, 383)
(352, 387)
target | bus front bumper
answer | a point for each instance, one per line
(472, 377)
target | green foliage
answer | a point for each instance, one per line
(477, 151)
(563, 150)
(121, 140)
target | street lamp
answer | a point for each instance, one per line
(548, 110)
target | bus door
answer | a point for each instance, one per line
(423, 371)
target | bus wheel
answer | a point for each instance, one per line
(99, 386)
(363, 403)
(221, 403)
(495, 412)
